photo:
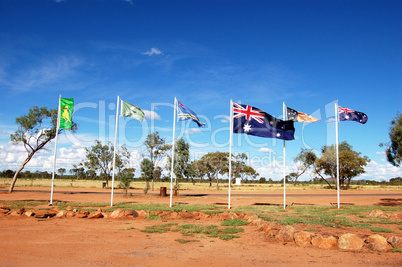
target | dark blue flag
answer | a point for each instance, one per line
(253, 121)
(346, 114)
(184, 113)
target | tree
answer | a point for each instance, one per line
(394, 147)
(61, 171)
(32, 134)
(182, 162)
(78, 170)
(100, 158)
(126, 176)
(156, 149)
(248, 171)
(305, 159)
(238, 164)
(213, 164)
(351, 164)
(147, 168)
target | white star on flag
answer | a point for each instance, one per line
(247, 127)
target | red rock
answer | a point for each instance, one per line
(135, 213)
(174, 215)
(42, 214)
(187, 215)
(128, 213)
(252, 218)
(377, 243)
(227, 215)
(61, 214)
(142, 214)
(70, 214)
(81, 215)
(378, 214)
(29, 213)
(14, 213)
(350, 242)
(303, 238)
(396, 216)
(4, 210)
(271, 229)
(285, 234)
(395, 241)
(119, 213)
(258, 222)
(95, 215)
(69, 208)
(324, 242)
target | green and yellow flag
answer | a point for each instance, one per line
(66, 113)
(129, 110)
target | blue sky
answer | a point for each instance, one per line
(308, 54)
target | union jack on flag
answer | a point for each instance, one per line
(346, 110)
(249, 112)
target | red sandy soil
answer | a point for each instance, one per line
(106, 242)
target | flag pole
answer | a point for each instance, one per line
(337, 151)
(55, 152)
(230, 149)
(171, 169)
(284, 162)
(114, 150)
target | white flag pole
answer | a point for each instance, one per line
(55, 152)
(115, 147)
(171, 169)
(230, 149)
(337, 151)
(284, 162)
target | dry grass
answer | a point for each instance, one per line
(5, 182)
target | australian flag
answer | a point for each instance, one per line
(253, 121)
(346, 114)
(184, 113)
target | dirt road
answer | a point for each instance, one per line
(106, 242)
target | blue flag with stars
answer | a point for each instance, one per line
(184, 113)
(253, 121)
(346, 114)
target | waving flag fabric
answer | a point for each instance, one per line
(346, 114)
(184, 113)
(66, 113)
(129, 110)
(294, 115)
(253, 121)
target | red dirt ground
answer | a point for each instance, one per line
(106, 242)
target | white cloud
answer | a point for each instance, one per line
(151, 115)
(379, 172)
(265, 150)
(226, 119)
(44, 73)
(153, 51)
